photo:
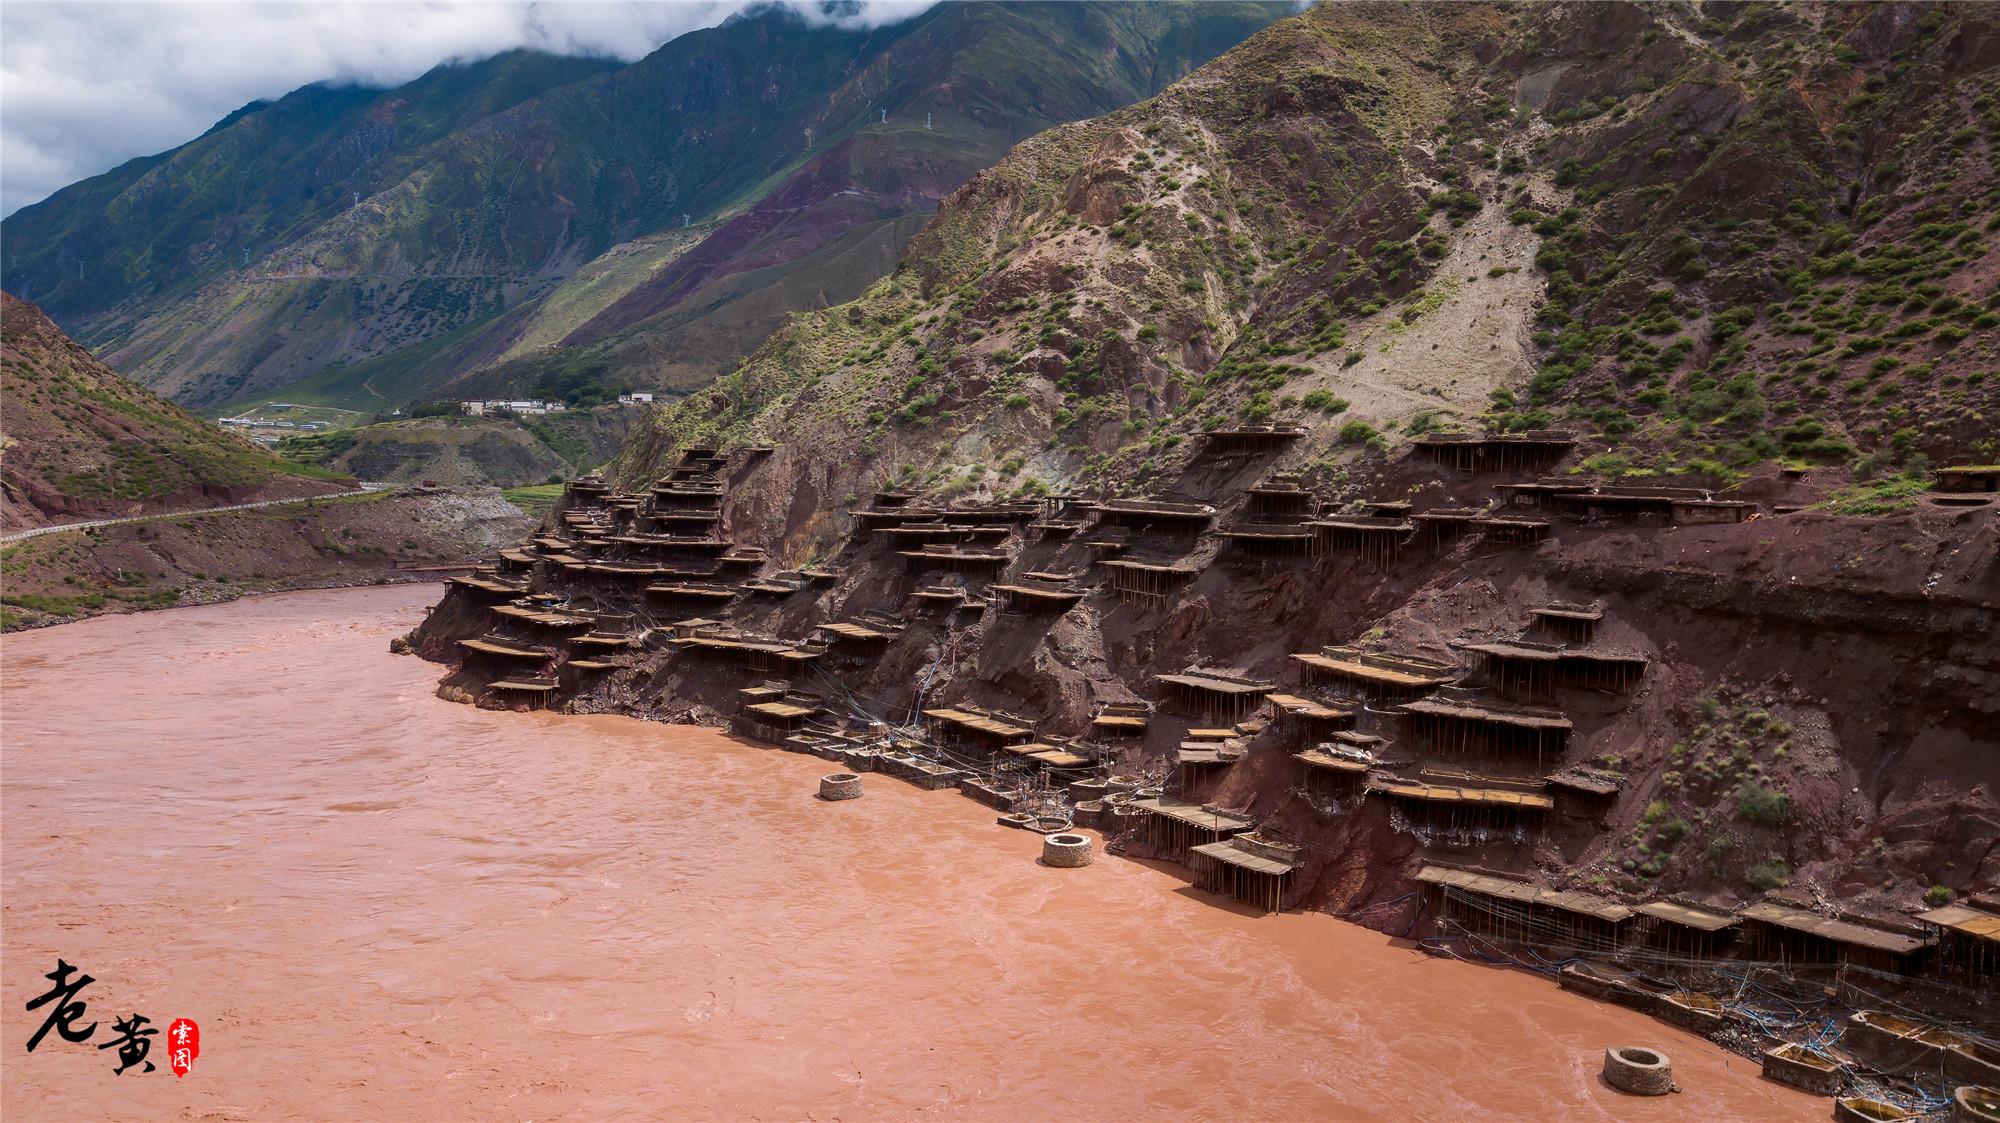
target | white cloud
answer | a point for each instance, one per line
(87, 86)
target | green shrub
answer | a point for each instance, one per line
(1323, 401)
(1771, 873)
(1760, 804)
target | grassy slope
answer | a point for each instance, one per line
(339, 540)
(1308, 229)
(478, 224)
(500, 452)
(80, 439)
(260, 179)
(456, 228)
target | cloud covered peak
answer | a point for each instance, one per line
(86, 87)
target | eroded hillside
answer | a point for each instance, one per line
(78, 441)
(1709, 243)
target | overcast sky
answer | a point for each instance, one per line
(86, 86)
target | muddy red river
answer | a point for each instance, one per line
(380, 905)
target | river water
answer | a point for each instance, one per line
(380, 905)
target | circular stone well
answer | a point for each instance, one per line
(1067, 851)
(840, 785)
(1642, 1072)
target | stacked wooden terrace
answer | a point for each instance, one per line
(1038, 595)
(587, 490)
(1206, 752)
(1279, 499)
(488, 584)
(1060, 758)
(1175, 827)
(862, 638)
(1497, 452)
(1594, 501)
(1585, 792)
(1374, 538)
(1568, 622)
(1251, 867)
(1507, 530)
(1375, 675)
(1439, 526)
(1781, 930)
(773, 710)
(977, 729)
(1511, 908)
(1122, 719)
(749, 651)
(1687, 928)
(1341, 764)
(956, 558)
(1147, 583)
(1209, 694)
(1170, 515)
(1252, 438)
(1967, 934)
(1479, 804)
(1310, 717)
(947, 598)
(775, 585)
(1471, 726)
(1289, 540)
(1530, 671)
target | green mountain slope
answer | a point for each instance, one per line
(77, 441)
(483, 188)
(1705, 245)
(262, 178)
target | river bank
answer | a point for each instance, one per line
(207, 557)
(379, 904)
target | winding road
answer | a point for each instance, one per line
(24, 535)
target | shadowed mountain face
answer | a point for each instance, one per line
(379, 243)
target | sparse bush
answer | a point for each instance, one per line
(1760, 804)
(1771, 873)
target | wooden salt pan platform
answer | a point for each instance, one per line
(505, 649)
(1175, 828)
(1378, 675)
(1213, 695)
(1247, 867)
(1023, 598)
(1493, 452)
(1509, 909)
(1468, 727)
(1781, 931)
